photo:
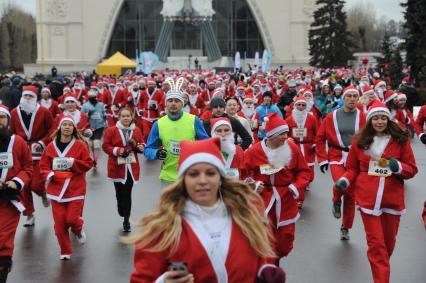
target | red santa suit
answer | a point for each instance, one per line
(113, 100)
(196, 103)
(336, 157)
(114, 140)
(303, 130)
(420, 121)
(151, 103)
(20, 172)
(65, 175)
(283, 185)
(50, 104)
(133, 97)
(253, 118)
(379, 194)
(80, 118)
(37, 132)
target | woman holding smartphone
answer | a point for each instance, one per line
(379, 161)
(207, 228)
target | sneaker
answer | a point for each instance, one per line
(126, 226)
(45, 201)
(336, 210)
(65, 257)
(30, 221)
(344, 234)
(82, 237)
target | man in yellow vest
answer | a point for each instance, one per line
(167, 133)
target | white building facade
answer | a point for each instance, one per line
(75, 35)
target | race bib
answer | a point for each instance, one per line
(232, 173)
(6, 160)
(268, 169)
(36, 151)
(174, 147)
(95, 116)
(62, 163)
(300, 133)
(131, 158)
(375, 169)
(253, 124)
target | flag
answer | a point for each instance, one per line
(149, 61)
(266, 60)
(237, 62)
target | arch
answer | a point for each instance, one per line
(109, 28)
(261, 24)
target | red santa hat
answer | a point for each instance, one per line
(66, 118)
(275, 125)
(300, 99)
(240, 85)
(350, 89)
(248, 96)
(4, 109)
(30, 90)
(256, 83)
(217, 122)
(94, 85)
(217, 91)
(366, 90)
(203, 151)
(379, 83)
(406, 79)
(306, 91)
(377, 108)
(389, 95)
(401, 96)
(151, 81)
(70, 98)
(66, 90)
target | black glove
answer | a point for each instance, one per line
(161, 154)
(153, 107)
(324, 168)
(423, 138)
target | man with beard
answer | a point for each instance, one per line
(218, 110)
(207, 94)
(33, 123)
(240, 94)
(337, 129)
(95, 110)
(303, 128)
(167, 133)
(47, 102)
(280, 175)
(113, 101)
(232, 154)
(195, 99)
(15, 174)
(249, 113)
(257, 94)
(150, 103)
(409, 89)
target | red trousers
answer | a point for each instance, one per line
(381, 234)
(146, 129)
(9, 219)
(37, 186)
(348, 195)
(284, 236)
(67, 215)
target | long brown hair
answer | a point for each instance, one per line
(161, 229)
(75, 133)
(365, 137)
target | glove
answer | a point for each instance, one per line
(313, 148)
(393, 165)
(153, 107)
(341, 184)
(161, 154)
(423, 138)
(324, 168)
(272, 274)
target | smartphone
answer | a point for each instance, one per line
(175, 266)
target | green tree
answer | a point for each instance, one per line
(395, 68)
(386, 51)
(415, 41)
(330, 42)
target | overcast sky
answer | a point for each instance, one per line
(388, 8)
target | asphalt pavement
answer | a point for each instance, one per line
(318, 256)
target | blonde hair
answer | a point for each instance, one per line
(161, 229)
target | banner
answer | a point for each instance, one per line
(266, 60)
(237, 62)
(256, 62)
(149, 60)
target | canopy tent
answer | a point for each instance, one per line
(115, 65)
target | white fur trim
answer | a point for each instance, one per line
(295, 193)
(19, 180)
(259, 273)
(4, 110)
(70, 98)
(349, 91)
(33, 94)
(377, 110)
(277, 130)
(391, 97)
(220, 123)
(114, 151)
(202, 158)
(66, 119)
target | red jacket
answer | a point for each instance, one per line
(420, 121)
(375, 194)
(242, 263)
(39, 128)
(68, 185)
(113, 102)
(328, 132)
(21, 171)
(295, 177)
(113, 141)
(53, 108)
(151, 104)
(307, 143)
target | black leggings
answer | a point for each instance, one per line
(123, 193)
